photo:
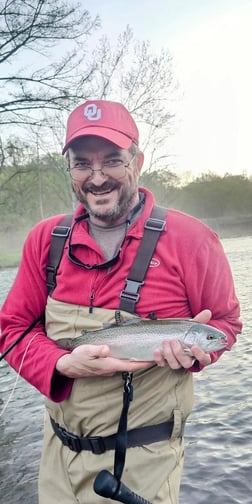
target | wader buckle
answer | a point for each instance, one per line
(70, 440)
(97, 444)
(131, 290)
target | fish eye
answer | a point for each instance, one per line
(210, 337)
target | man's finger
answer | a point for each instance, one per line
(203, 317)
(92, 351)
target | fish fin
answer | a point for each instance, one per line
(131, 321)
(188, 351)
(109, 325)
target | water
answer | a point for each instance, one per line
(218, 433)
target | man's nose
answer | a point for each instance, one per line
(97, 175)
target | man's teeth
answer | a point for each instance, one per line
(101, 193)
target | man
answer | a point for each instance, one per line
(188, 276)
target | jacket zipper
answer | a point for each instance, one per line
(93, 290)
(92, 296)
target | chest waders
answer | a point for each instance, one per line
(106, 484)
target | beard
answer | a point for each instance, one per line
(126, 199)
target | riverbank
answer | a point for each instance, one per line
(231, 227)
(11, 260)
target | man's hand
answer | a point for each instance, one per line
(174, 355)
(93, 360)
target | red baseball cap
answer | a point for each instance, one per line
(106, 119)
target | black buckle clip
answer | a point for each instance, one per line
(97, 444)
(155, 224)
(70, 440)
(131, 290)
(62, 231)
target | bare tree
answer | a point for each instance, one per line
(145, 83)
(29, 33)
(39, 94)
(130, 73)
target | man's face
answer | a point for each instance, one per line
(110, 191)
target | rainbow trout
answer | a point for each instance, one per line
(136, 339)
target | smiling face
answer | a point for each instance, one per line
(108, 196)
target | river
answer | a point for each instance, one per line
(218, 433)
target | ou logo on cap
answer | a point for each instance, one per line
(92, 112)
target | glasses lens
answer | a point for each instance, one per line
(114, 172)
(78, 174)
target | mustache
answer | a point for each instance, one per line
(106, 186)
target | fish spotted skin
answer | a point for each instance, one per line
(136, 339)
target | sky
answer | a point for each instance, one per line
(211, 43)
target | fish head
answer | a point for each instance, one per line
(206, 337)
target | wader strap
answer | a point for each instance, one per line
(59, 235)
(110, 485)
(121, 438)
(152, 230)
(98, 444)
(130, 294)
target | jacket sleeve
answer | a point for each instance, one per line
(35, 356)
(210, 285)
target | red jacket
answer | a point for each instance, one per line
(189, 272)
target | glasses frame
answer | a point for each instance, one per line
(91, 171)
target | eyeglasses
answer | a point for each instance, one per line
(113, 167)
(106, 264)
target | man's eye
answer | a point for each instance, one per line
(113, 162)
(82, 165)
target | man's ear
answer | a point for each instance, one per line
(140, 161)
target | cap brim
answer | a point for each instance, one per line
(117, 138)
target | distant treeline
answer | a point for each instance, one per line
(207, 196)
(224, 203)
(33, 187)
